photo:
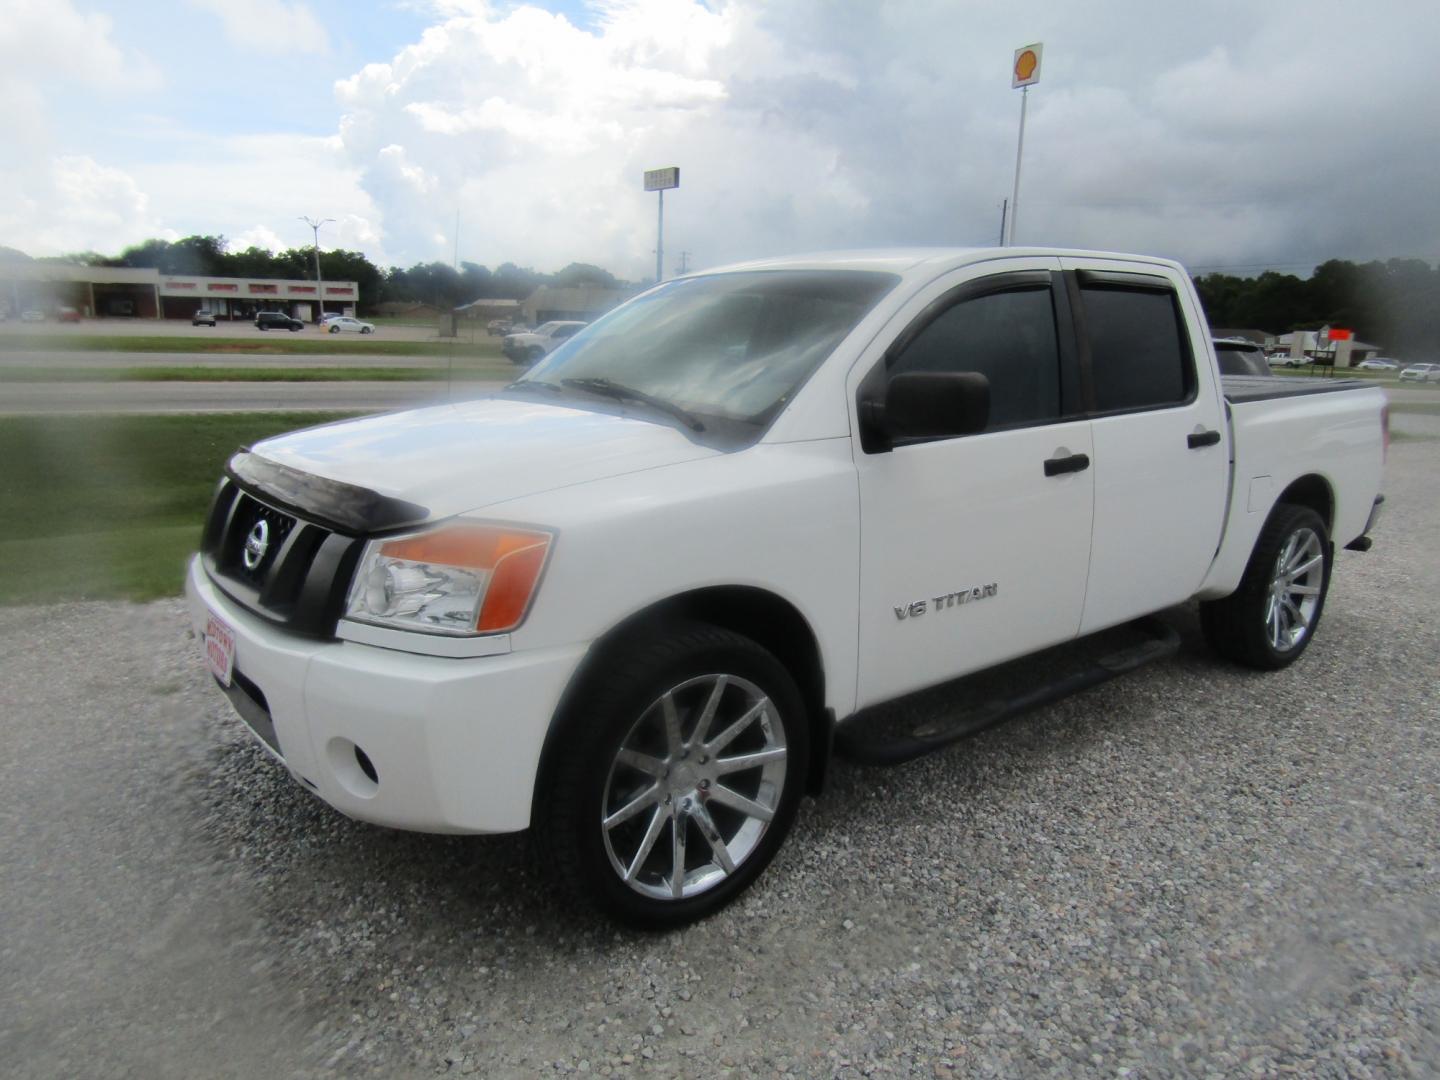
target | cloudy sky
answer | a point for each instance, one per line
(1238, 134)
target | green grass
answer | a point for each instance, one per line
(464, 369)
(109, 507)
(273, 343)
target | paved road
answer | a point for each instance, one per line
(245, 331)
(30, 358)
(21, 399)
(1194, 870)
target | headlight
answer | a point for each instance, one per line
(457, 579)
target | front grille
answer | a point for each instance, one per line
(300, 577)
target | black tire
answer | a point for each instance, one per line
(294, 328)
(614, 709)
(365, 330)
(334, 329)
(534, 355)
(1239, 627)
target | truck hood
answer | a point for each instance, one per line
(468, 455)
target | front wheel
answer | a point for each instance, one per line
(1269, 620)
(366, 330)
(334, 329)
(678, 777)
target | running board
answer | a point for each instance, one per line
(872, 737)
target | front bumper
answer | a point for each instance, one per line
(453, 743)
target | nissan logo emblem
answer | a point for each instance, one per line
(256, 544)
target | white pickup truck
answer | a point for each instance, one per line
(630, 601)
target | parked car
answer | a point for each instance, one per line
(277, 320)
(344, 323)
(527, 347)
(631, 601)
(1237, 356)
(1285, 360)
(32, 315)
(67, 314)
(498, 327)
(203, 318)
(1378, 363)
(1421, 373)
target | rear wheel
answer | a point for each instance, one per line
(1269, 620)
(678, 777)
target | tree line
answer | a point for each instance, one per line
(436, 283)
(1393, 304)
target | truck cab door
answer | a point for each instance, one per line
(1161, 461)
(973, 548)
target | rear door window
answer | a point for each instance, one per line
(1139, 356)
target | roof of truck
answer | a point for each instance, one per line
(901, 259)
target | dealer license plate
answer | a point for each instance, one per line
(220, 649)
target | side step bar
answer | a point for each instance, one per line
(858, 740)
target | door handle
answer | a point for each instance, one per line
(1197, 439)
(1074, 463)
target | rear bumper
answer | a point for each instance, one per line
(451, 744)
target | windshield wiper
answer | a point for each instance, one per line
(606, 388)
(527, 384)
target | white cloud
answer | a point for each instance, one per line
(46, 40)
(270, 25)
(75, 204)
(1224, 131)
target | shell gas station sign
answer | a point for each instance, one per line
(1026, 68)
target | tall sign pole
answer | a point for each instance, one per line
(661, 181)
(1025, 73)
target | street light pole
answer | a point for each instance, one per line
(319, 281)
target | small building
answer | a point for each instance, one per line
(146, 293)
(583, 303)
(1305, 344)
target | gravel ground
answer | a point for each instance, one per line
(1194, 870)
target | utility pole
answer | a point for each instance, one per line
(319, 281)
(1004, 206)
(684, 267)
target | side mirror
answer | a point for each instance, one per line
(921, 404)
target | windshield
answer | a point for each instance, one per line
(729, 346)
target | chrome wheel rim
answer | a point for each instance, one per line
(693, 787)
(1294, 590)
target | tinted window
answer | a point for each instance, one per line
(1010, 338)
(1138, 356)
(1238, 360)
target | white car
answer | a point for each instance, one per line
(531, 345)
(630, 601)
(1421, 373)
(1377, 363)
(335, 324)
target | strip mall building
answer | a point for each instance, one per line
(111, 292)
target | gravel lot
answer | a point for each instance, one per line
(1194, 870)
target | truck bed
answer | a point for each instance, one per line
(1239, 389)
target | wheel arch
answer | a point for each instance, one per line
(1314, 491)
(763, 616)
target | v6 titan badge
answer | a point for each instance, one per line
(916, 608)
